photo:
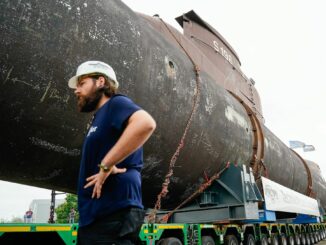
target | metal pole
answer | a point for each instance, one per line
(52, 206)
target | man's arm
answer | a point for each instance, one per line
(139, 128)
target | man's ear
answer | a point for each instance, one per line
(100, 82)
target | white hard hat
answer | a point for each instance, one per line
(90, 67)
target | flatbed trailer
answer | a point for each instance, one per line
(38, 233)
(230, 211)
(233, 234)
(183, 233)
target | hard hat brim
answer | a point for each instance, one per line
(72, 83)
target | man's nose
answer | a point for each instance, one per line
(77, 91)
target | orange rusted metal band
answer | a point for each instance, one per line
(165, 185)
(257, 159)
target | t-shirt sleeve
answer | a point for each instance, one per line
(122, 109)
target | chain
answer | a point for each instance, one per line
(200, 190)
(165, 185)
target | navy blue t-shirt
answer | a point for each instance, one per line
(119, 190)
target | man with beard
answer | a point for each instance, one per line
(109, 186)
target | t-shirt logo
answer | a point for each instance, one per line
(91, 130)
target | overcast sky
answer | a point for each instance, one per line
(281, 45)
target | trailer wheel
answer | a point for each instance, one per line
(291, 240)
(263, 240)
(303, 239)
(283, 240)
(274, 239)
(207, 240)
(231, 240)
(249, 239)
(297, 239)
(308, 241)
(170, 241)
(312, 238)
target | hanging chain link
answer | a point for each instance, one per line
(200, 190)
(152, 216)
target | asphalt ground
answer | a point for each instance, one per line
(323, 242)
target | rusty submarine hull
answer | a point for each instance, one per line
(192, 78)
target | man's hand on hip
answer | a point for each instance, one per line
(98, 180)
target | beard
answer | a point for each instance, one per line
(90, 102)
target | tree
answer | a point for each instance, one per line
(63, 210)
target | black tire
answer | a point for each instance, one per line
(170, 241)
(249, 239)
(159, 242)
(274, 240)
(312, 238)
(283, 240)
(263, 240)
(231, 240)
(316, 237)
(303, 239)
(297, 239)
(207, 240)
(291, 240)
(308, 241)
